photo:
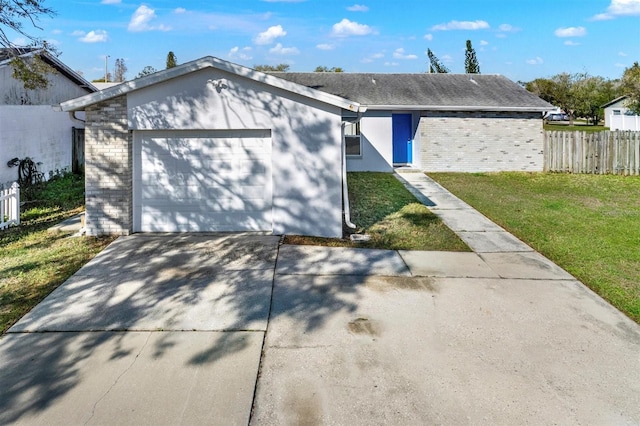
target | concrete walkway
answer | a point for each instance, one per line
(238, 329)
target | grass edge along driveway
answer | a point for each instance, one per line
(33, 261)
(587, 224)
(383, 208)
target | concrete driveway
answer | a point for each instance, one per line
(235, 329)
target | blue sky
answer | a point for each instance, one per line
(521, 39)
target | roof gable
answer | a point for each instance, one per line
(199, 64)
(6, 55)
(615, 101)
(453, 92)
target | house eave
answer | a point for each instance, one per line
(455, 108)
(203, 63)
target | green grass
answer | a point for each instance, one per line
(383, 208)
(33, 262)
(589, 225)
(575, 128)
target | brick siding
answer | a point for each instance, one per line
(108, 168)
(481, 141)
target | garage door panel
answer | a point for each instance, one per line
(194, 181)
(196, 222)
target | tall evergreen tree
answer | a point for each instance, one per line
(435, 66)
(471, 65)
(172, 61)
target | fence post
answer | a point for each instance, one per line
(15, 203)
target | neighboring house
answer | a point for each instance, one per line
(618, 117)
(214, 146)
(30, 126)
(438, 122)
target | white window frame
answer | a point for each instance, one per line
(352, 132)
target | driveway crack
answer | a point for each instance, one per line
(125, 371)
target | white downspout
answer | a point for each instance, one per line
(345, 189)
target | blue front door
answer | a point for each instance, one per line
(402, 138)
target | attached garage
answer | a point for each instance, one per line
(211, 146)
(202, 181)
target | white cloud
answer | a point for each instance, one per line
(508, 28)
(111, 1)
(622, 54)
(278, 49)
(358, 8)
(571, 32)
(179, 10)
(484, 43)
(325, 46)
(270, 35)
(571, 43)
(372, 58)
(461, 25)
(97, 36)
(399, 54)
(141, 18)
(428, 37)
(447, 59)
(347, 28)
(619, 8)
(391, 64)
(19, 41)
(243, 54)
(535, 61)
(56, 32)
(78, 33)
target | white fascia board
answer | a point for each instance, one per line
(453, 108)
(206, 62)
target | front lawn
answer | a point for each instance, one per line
(383, 208)
(33, 262)
(587, 224)
(565, 127)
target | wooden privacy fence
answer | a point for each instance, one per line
(10, 206)
(605, 152)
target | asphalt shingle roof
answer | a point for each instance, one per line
(436, 91)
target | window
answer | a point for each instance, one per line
(352, 138)
(616, 112)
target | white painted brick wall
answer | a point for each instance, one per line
(481, 142)
(108, 169)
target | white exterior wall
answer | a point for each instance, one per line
(306, 134)
(376, 137)
(481, 142)
(60, 89)
(376, 128)
(37, 132)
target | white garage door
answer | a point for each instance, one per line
(202, 181)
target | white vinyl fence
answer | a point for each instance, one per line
(624, 122)
(10, 206)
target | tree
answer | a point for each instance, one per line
(471, 65)
(435, 66)
(558, 91)
(630, 86)
(102, 79)
(172, 61)
(30, 69)
(327, 69)
(589, 94)
(272, 68)
(146, 71)
(119, 71)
